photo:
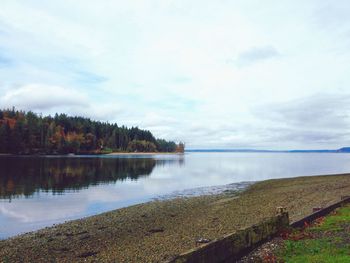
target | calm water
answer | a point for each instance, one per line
(40, 191)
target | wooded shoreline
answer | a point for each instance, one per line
(26, 133)
(95, 154)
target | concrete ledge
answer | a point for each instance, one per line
(234, 245)
(320, 213)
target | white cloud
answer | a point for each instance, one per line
(51, 99)
(42, 97)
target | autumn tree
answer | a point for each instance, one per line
(180, 148)
(141, 146)
(27, 132)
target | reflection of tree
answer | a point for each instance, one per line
(25, 176)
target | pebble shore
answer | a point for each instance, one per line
(159, 230)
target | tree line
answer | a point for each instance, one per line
(29, 133)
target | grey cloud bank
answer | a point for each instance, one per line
(322, 119)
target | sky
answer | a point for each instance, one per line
(214, 74)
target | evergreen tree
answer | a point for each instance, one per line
(6, 137)
(3, 138)
(17, 144)
(27, 132)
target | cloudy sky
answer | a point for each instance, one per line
(215, 74)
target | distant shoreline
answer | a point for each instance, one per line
(340, 150)
(144, 153)
(96, 154)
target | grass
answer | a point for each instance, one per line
(334, 222)
(106, 151)
(326, 241)
(315, 250)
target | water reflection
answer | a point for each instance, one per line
(39, 192)
(25, 176)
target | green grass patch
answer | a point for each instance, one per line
(334, 222)
(106, 151)
(319, 247)
(321, 258)
(314, 250)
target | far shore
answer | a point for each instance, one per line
(159, 230)
(144, 153)
(97, 154)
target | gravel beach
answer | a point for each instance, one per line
(159, 230)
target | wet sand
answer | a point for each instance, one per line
(159, 230)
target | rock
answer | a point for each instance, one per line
(156, 230)
(202, 240)
(88, 254)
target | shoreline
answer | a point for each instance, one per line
(94, 154)
(150, 232)
(144, 153)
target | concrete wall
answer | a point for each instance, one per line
(322, 212)
(234, 245)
